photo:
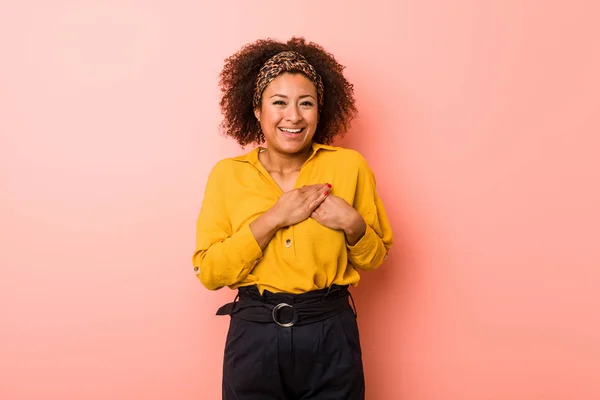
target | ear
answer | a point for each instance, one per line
(257, 113)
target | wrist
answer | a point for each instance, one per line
(355, 229)
(274, 220)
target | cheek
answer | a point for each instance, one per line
(312, 117)
(271, 116)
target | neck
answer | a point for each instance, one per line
(283, 163)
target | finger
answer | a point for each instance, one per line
(316, 193)
(308, 189)
(314, 186)
(317, 189)
(316, 199)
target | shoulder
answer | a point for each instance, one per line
(221, 169)
(224, 165)
(344, 157)
(229, 165)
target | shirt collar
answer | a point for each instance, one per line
(252, 156)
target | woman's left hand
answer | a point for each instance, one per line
(335, 213)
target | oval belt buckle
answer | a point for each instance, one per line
(277, 308)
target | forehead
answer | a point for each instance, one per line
(291, 83)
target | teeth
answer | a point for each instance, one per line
(291, 130)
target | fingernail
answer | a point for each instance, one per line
(329, 186)
(326, 193)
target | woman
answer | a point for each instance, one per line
(288, 225)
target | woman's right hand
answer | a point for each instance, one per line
(298, 204)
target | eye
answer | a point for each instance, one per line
(279, 103)
(307, 103)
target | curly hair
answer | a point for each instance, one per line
(238, 77)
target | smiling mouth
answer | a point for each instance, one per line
(291, 131)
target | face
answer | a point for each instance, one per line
(289, 113)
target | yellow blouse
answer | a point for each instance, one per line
(300, 258)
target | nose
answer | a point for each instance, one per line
(293, 114)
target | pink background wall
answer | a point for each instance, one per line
(480, 119)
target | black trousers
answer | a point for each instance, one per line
(317, 361)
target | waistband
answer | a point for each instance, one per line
(287, 309)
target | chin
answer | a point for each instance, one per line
(293, 148)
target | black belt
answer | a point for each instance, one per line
(297, 309)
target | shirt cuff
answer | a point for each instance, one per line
(247, 247)
(366, 243)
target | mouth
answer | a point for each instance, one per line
(291, 133)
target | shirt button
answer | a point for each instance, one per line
(288, 243)
(197, 270)
(257, 261)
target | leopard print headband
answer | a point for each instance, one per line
(287, 61)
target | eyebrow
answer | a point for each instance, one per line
(284, 96)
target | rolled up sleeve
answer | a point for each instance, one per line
(222, 257)
(372, 249)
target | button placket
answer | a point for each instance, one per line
(288, 243)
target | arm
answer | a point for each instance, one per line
(264, 228)
(223, 257)
(355, 229)
(369, 237)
